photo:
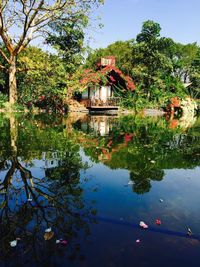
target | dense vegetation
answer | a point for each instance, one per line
(24, 21)
(158, 65)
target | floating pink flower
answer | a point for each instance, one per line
(143, 225)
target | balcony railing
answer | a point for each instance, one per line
(110, 101)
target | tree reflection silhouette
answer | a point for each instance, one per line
(30, 204)
(143, 146)
(142, 179)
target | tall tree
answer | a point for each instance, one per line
(149, 60)
(67, 37)
(195, 76)
(183, 58)
(24, 20)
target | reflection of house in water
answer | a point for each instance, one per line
(97, 125)
(50, 159)
(101, 125)
(43, 160)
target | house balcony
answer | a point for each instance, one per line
(110, 102)
(103, 106)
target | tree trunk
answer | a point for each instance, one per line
(13, 134)
(12, 81)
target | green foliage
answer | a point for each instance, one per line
(150, 32)
(142, 145)
(194, 89)
(56, 189)
(150, 64)
(127, 100)
(122, 50)
(158, 66)
(67, 37)
(23, 22)
(39, 74)
(3, 100)
(2, 79)
(3, 71)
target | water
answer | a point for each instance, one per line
(92, 180)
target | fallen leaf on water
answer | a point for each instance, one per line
(48, 235)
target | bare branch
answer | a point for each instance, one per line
(4, 55)
(24, 18)
(2, 6)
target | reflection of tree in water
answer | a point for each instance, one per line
(30, 204)
(142, 179)
(134, 142)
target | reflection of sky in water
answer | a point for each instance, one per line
(179, 189)
(179, 210)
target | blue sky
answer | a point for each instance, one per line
(122, 19)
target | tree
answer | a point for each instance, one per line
(32, 203)
(149, 60)
(67, 37)
(195, 76)
(183, 57)
(186, 67)
(23, 21)
(158, 65)
(40, 74)
(122, 50)
(150, 32)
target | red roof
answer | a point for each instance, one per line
(109, 75)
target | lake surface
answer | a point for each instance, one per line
(88, 181)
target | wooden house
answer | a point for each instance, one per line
(101, 86)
